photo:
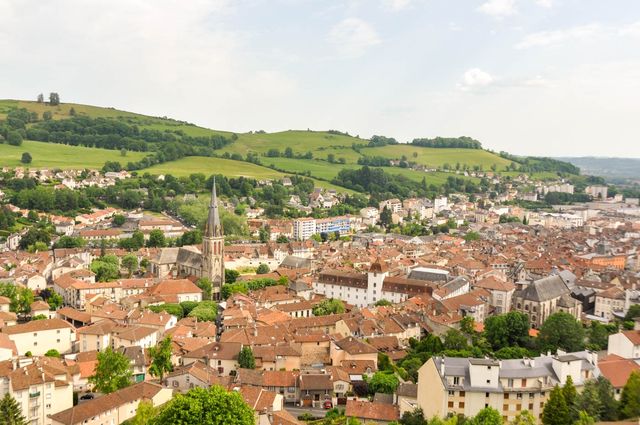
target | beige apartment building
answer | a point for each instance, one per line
(465, 385)
(114, 408)
(40, 336)
(40, 391)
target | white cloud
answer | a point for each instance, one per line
(545, 3)
(475, 77)
(397, 4)
(353, 36)
(537, 81)
(632, 30)
(498, 8)
(546, 38)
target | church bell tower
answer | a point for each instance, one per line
(213, 246)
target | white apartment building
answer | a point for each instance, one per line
(38, 390)
(440, 204)
(40, 336)
(466, 385)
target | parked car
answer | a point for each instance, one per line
(87, 396)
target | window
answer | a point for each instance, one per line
(519, 396)
(530, 395)
(452, 393)
(506, 396)
(505, 407)
(524, 383)
(462, 393)
(486, 395)
(488, 381)
(518, 407)
(461, 405)
(450, 404)
(530, 406)
(456, 380)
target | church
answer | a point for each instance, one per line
(190, 260)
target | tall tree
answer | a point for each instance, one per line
(206, 286)
(10, 411)
(54, 99)
(130, 262)
(156, 239)
(524, 418)
(570, 397)
(246, 360)
(589, 401)
(112, 373)
(487, 416)
(561, 330)
(555, 410)
(609, 409)
(383, 382)
(144, 414)
(213, 406)
(584, 419)
(161, 358)
(630, 398)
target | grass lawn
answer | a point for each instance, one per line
(434, 157)
(319, 169)
(227, 167)
(437, 178)
(143, 121)
(299, 141)
(53, 155)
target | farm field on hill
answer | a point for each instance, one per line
(299, 141)
(228, 167)
(62, 111)
(53, 155)
(437, 157)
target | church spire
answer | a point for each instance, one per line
(213, 227)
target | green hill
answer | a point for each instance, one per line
(166, 146)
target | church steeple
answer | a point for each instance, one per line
(213, 226)
(213, 245)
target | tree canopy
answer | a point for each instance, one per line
(113, 372)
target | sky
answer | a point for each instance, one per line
(534, 77)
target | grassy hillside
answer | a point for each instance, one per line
(50, 155)
(228, 167)
(320, 144)
(437, 157)
(62, 111)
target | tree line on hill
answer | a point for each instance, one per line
(463, 142)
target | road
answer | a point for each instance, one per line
(297, 411)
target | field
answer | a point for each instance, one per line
(298, 141)
(317, 168)
(62, 111)
(227, 167)
(52, 155)
(435, 157)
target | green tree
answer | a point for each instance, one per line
(10, 411)
(206, 286)
(467, 325)
(23, 300)
(455, 340)
(630, 398)
(144, 414)
(507, 330)
(156, 239)
(588, 400)
(105, 269)
(264, 234)
(113, 372)
(39, 317)
(262, 269)
(555, 410)
(230, 276)
(383, 382)
(385, 217)
(52, 353)
(561, 330)
(413, 417)
(206, 311)
(118, 220)
(329, 306)
(26, 158)
(487, 416)
(130, 262)
(213, 406)
(383, 303)
(570, 398)
(54, 99)
(246, 360)
(161, 358)
(14, 138)
(584, 419)
(55, 301)
(524, 418)
(609, 405)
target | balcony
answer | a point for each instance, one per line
(34, 395)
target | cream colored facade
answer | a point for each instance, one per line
(39, 341)
(509, 386)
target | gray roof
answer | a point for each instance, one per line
(544, 289)
(167, 256)
(293, 262)
(190, 257)
(408, 389)
(537, 367)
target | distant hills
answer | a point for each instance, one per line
(611, 168)
(73, 135)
